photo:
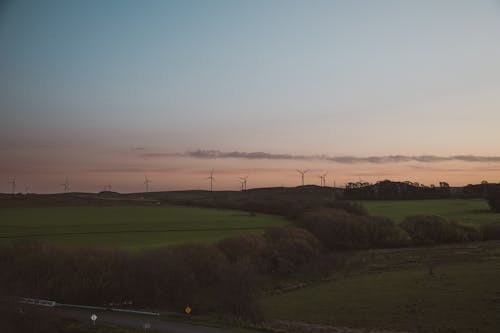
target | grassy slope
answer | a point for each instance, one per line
(131, 227)
(395, 291)
(472, 212)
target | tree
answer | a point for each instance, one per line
(444, 185)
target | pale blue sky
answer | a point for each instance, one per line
(299, 77)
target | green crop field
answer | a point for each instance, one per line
(128, 227)
(471, 212)
(397, 292)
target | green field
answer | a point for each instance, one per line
(395, 291)
(128, 227)
(471, 212)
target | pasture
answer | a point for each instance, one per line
(127, 227)
(394, 290)
(472, 212)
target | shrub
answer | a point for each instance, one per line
(249, 248)
(339, 230)
(431, 230)
(289, 249)
(490, 231)
(384, 233)
(197, 275)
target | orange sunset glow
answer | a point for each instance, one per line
(99, 96)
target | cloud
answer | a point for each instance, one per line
(161, 155)
(130, 170)
(243, 155)
(387, 159)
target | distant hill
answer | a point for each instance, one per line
(285, 201)
(274, 200)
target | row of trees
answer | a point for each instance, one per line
(339, 230)
(390, 190)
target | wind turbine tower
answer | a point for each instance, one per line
(212, 180)
(243, 182)
(66, 186)
(146, 183)
(323, 179)
(302, 173)
(13, 183)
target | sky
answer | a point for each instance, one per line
(106, 92)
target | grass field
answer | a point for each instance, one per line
(128, 227)
(395, 291)
(471, 212)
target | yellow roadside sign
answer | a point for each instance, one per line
(187, 310)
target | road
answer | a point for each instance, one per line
(137, 322)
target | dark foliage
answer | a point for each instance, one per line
(390, 190)
(483, 190)
(289, 249)
(490, 231)
(432, 230)
(278, 252)
(339, 230)
(197, 275)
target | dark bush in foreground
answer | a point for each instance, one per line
(490, 231)
(339, 230)
(196, 275)
(432, 230)
(384, 233)
(290, 249)
(277, 252)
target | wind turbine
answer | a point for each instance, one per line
(212, 180)
(302, 173)
(26, 189)
(13, 183)
(147, 182)
(107, 187)
(323, 179)
(66, 186)
(243, 181)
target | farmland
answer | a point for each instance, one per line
(127, 227)
(394, 290)
(472, 212)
